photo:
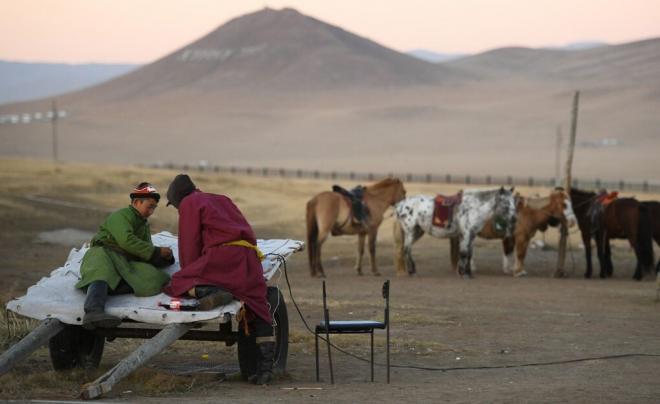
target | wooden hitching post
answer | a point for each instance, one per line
(561, 259)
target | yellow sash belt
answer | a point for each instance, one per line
(247, 244)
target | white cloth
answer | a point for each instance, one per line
(55, 296)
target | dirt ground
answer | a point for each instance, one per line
(534, 339)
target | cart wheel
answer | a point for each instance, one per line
(247, 346)
(75, 347)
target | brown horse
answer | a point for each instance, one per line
(533, 214)
(653, 209)
(624, 218)
(330, 212)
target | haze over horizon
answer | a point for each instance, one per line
(103, 31)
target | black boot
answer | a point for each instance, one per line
(95, 315)
(266, 352)
(211, 297)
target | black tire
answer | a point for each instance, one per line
(75, 347)
(280, 330)
(247, 346)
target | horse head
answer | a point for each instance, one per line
(393, 187)
(561, 207)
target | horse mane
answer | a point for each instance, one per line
(481, 192)
(582, 192)
(387, 182)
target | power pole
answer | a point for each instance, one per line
(560, 272)
(558, 157)
(53, 121)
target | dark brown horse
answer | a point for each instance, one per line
(582, 201)
(653, 209)
(330, 213)
(624, 218)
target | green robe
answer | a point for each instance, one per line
(120, 250)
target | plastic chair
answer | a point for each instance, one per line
(328, 327)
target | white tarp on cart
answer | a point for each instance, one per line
(55, 296)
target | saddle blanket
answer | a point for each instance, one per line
(443, 211)
(607, 198)
(55, 296)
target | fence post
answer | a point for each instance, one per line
(622, 185)
(645, 186)
(530, 181)
(428, 178)
(488, 181)
(448, 178)
(467, 179)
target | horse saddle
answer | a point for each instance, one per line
(359, 210)
(603, 200)
(443, 211)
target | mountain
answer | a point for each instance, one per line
(630, 62)
(26, 81)
(435, 57)
(277, 88)
(277, 50)
(581, 45)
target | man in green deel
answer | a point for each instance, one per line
(122, 258)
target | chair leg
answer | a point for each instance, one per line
(332, 373)
(316, 338)
(372, 355)
(388, 353)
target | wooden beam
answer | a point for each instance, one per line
(139, 357)
(560, 272)
(30, 343)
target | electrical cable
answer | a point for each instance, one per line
(282, 260)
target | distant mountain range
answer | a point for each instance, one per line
(435, 57)
(21, 81)
(278, 88)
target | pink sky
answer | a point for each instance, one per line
(139, 31)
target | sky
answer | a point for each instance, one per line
(141, 31)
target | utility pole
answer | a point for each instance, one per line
(561, 259)
(558, 157)
(53, 121)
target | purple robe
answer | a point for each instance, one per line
(206, 221)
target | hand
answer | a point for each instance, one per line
(165, 252)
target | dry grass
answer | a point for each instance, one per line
(275, 207)
(13, 327)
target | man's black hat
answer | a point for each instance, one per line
(180, 187)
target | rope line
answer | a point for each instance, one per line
(450, 369)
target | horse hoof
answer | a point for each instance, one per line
(520, 274)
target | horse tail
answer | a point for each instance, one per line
(397, 233)
(312, 234)
(645, 238)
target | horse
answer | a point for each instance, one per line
(653, 208)
(533, 214)
(624, 218)
(582, 201)
(330, 213)
(415, 217)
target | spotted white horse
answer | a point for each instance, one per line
(415, 217)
